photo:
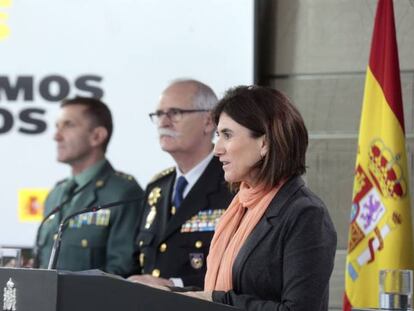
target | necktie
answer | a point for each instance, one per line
(69, 189)
(179, 190)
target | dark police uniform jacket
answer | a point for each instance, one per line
(102, 241)
(177, 245)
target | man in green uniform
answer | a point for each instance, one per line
(100, 240)
(182, 204)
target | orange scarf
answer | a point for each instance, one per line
(239, 220)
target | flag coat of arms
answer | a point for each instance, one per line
(380, 231)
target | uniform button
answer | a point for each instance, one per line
(84, 243)
(156, 273)
(141, 243)
(173, 210)
(99, 183)
(163, 247)
(198, 244)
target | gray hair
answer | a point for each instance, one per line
(204, 98)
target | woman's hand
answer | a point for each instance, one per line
(149, 280)
(205, 295)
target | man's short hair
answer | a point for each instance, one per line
(97, 111)
(204, 97)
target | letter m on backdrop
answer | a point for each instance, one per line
(24, 85)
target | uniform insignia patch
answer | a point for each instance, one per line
(206, 220)
(99, 183)
(162, 174)
(150, 217)
(141, 260)
(154, 195)
(99, 218)
(124, 176)
(197, 260)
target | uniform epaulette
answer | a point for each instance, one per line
(163, 173)
(125, 176)
(61, 181)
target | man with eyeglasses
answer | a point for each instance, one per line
(184, 203)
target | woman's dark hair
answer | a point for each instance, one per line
(97, 111)
(266, 111)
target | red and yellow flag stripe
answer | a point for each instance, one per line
(380, 235)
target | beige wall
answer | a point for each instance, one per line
(317, 53)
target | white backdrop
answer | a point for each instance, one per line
(137, 47)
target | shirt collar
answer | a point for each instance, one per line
(88, 174)
(194, 174)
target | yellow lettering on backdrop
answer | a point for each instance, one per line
(4, 28)
(5, 3)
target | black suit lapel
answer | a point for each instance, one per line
(165, 204)
(258, 234)
(264, 226)
(198, 197)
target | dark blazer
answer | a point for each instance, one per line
(286, 262)
(177, 245)
(99, 243)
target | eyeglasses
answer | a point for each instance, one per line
(174, 114)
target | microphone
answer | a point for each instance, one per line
(57, 209)
(57, 243)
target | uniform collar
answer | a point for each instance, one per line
(88, 174)
(194, 174)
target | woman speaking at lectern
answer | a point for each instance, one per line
(274, 247)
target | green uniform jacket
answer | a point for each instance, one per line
(102, 241)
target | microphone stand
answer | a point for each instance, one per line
(58, 241)
(58, 208)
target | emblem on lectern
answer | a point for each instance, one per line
(9, 296)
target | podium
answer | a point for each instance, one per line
(52, 290)
(379, 309)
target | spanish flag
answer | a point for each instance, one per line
(380, 233)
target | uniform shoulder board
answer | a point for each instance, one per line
(163, 173)
(124, 176)
(61, 181)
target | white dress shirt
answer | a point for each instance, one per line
(192, 176)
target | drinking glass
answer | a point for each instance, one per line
(396, 289)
